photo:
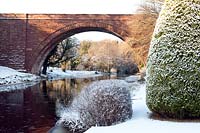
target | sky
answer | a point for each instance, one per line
(95, 36)
(73, 7)
(69, 6)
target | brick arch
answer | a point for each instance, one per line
(49, 43)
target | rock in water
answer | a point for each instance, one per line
(57, 130)
(102, 103)
(173, 68)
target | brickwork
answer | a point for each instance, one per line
(26, 39)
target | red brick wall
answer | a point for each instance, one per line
(12, 42)
(26, 39)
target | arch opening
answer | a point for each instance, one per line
(49, 43)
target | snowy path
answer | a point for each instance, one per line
(140, 123)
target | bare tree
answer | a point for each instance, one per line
(151, 6)
(63, 51)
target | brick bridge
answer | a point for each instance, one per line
(26, 39)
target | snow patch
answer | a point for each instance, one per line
(133, 78)
(17, 86)
(57, 73)
(11, 79)
(143, 124)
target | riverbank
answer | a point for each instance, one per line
(11, 76)
(57, 73)
(11, 79)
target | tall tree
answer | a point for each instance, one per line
(63, 51)
(151, 6)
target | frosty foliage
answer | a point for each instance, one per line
(102, 103)
(173, 70)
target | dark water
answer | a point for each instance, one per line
(33, 110)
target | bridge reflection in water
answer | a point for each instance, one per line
(34, 109)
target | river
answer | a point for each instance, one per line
(33, 110)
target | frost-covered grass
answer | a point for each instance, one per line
(173, 68)
(57, 73)
(11, 79)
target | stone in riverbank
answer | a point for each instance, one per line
(57, 129)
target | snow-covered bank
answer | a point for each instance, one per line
(57, 73)
(141, 123)
(17, 86)
(11, 79)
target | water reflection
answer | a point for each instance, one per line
(33, 109)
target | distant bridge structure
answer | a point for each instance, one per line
(27, 39)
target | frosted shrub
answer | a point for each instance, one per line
(102, 103)
(173, 70)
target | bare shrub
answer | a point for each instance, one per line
(102, 103)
